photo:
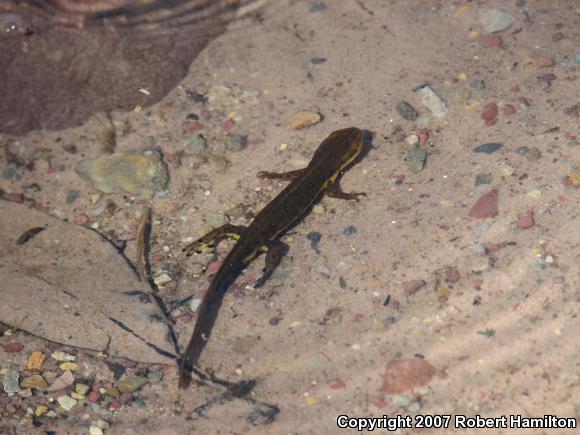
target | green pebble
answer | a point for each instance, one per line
(416, 158)
(414, 407)
(197, 269)
(406, 111)
(205, 258)
(401, 400)
(195, 144)
(216, 219)
(236, 142)
(140, 173)
(423, 121)
(483, 179)
(130, 383)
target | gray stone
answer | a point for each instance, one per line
(416, 158)
(206, 257)
(195, 144)
(494, 20)
(216, 219)
(155, 375)
(236, 142)
(487, 148)
(406, 111)
(432, 101)
(71, 196)
(478, 85)
(10, 382)
(317, 7)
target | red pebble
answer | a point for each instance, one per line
(413, 286)
(116, 404)
(93, 396)
(566, 182)
(423, 136)
(82, 219)
(486, 206)
(13, 197)
(509, 110)
(489, 114)
(526, 220)
(452, 275)
(557, 37)
(228, 125)
(515, 88)
(492, 41)
(213, 267)
(548, 77)
(192, 126)
(336, 384)
(403, 374)
(12, 347)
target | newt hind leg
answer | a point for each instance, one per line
(213, 238)
(275, 251)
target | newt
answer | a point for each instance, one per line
(321, 176)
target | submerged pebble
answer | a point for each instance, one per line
(432, 101)
(494, 20)
(10, 382)
(483, 179)
(236, 142)
(302, 120)
(406, 111)
(130, 383)
(195, 144)
(416, 158)
(141, 173)
(486, 205)
(487, 148)
(67, 403)
(317, 7)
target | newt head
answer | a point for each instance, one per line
(340, 148)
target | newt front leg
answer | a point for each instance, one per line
(335, 191)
